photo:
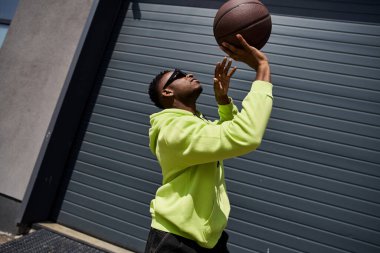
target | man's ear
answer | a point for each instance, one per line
(167, 93)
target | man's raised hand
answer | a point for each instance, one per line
(249, 55)
(222, 78)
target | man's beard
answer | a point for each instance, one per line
(198, 92)
(192, 98)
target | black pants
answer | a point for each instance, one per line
(163, 242)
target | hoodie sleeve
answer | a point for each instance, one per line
(227, 112)
(191, 141)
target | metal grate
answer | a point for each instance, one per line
(44, 241)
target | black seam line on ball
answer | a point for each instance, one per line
(235, 8)
(242, 28)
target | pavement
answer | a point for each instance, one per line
(45, 241)
(7, 237)
(76, 241)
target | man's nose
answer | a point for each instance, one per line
(189, 75)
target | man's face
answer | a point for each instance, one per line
(183, 88)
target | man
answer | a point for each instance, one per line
(191, 208)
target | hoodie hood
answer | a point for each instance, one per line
(161, 119)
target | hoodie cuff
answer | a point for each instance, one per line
(229, 105)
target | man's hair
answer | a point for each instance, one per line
(153, 91)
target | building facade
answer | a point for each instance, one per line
(74, 120)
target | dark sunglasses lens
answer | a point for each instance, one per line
(177, 74)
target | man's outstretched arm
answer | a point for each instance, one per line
(198, 143)
(250, 56)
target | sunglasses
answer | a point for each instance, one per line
(177, 74)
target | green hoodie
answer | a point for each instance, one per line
(192, 201)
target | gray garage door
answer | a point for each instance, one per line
(313, 186)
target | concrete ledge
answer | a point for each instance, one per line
(82, 237)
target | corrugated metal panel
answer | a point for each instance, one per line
(313, 186)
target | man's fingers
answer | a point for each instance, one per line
(230, 50)
(228, 66)
(243, 42)
(232, 71)
(222, 68)
(223, 64)
(225, 50)
(217, 69)
(217, 84)
(215, 81)
(230, 47)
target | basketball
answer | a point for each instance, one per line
(250, 18)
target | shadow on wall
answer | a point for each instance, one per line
(344, 10)
(136, 10)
